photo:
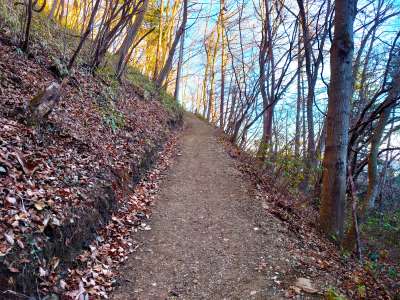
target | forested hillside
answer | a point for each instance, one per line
(303, 96)
(75, 142)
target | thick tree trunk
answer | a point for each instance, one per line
(332, 211)
(268, 94)
(267, 128)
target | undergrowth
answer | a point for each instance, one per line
(383, 230)
(136, 78)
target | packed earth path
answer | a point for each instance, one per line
(209, 237)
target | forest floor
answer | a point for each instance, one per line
(211, 236)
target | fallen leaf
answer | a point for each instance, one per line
(21, 161)
(40, 205)
(3, 170)
(42, 272)
(305, 285)
(13, 270)
(9, 236)
(55, 221)
(11, 200)
(63, 284)
(20, 244)
(54, 262)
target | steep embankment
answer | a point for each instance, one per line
(61, 182)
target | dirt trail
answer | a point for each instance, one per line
(209, 235)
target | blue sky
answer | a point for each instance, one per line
(195, 57)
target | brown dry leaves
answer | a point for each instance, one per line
(47, 175)
(314, 256)
(115, 241)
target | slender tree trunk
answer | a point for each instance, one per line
(373, 181)
(205, 80)
(231, 113)
(159, 41)
(332, 210)
(354, 209)
(321, 140)
(299, 101)
(211, 104)
(85, 35)
(168, 64)
(228, 103)
(179, 70)
(84, 16)
(303, 111)
(61, 10)
(222, 28)
(387, 161)
(53, 9)
(130, 37)
(28, 26)
(310, 93)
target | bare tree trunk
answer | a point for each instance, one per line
(303, 111)
(228, 106)
(61, 10)
(354, 209)
(373, 181)
(299, 101)
(53, 9)
(130, 37)
(321, 140)
(267, 55)
(159, 41)
(85, 35)
(29, 7)
(310, 93)
(205, 79)
(221, 106)
(84, 15)
(179, 71)
(332, 210)
(168, 64)
(211, 104)
(387, 161)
